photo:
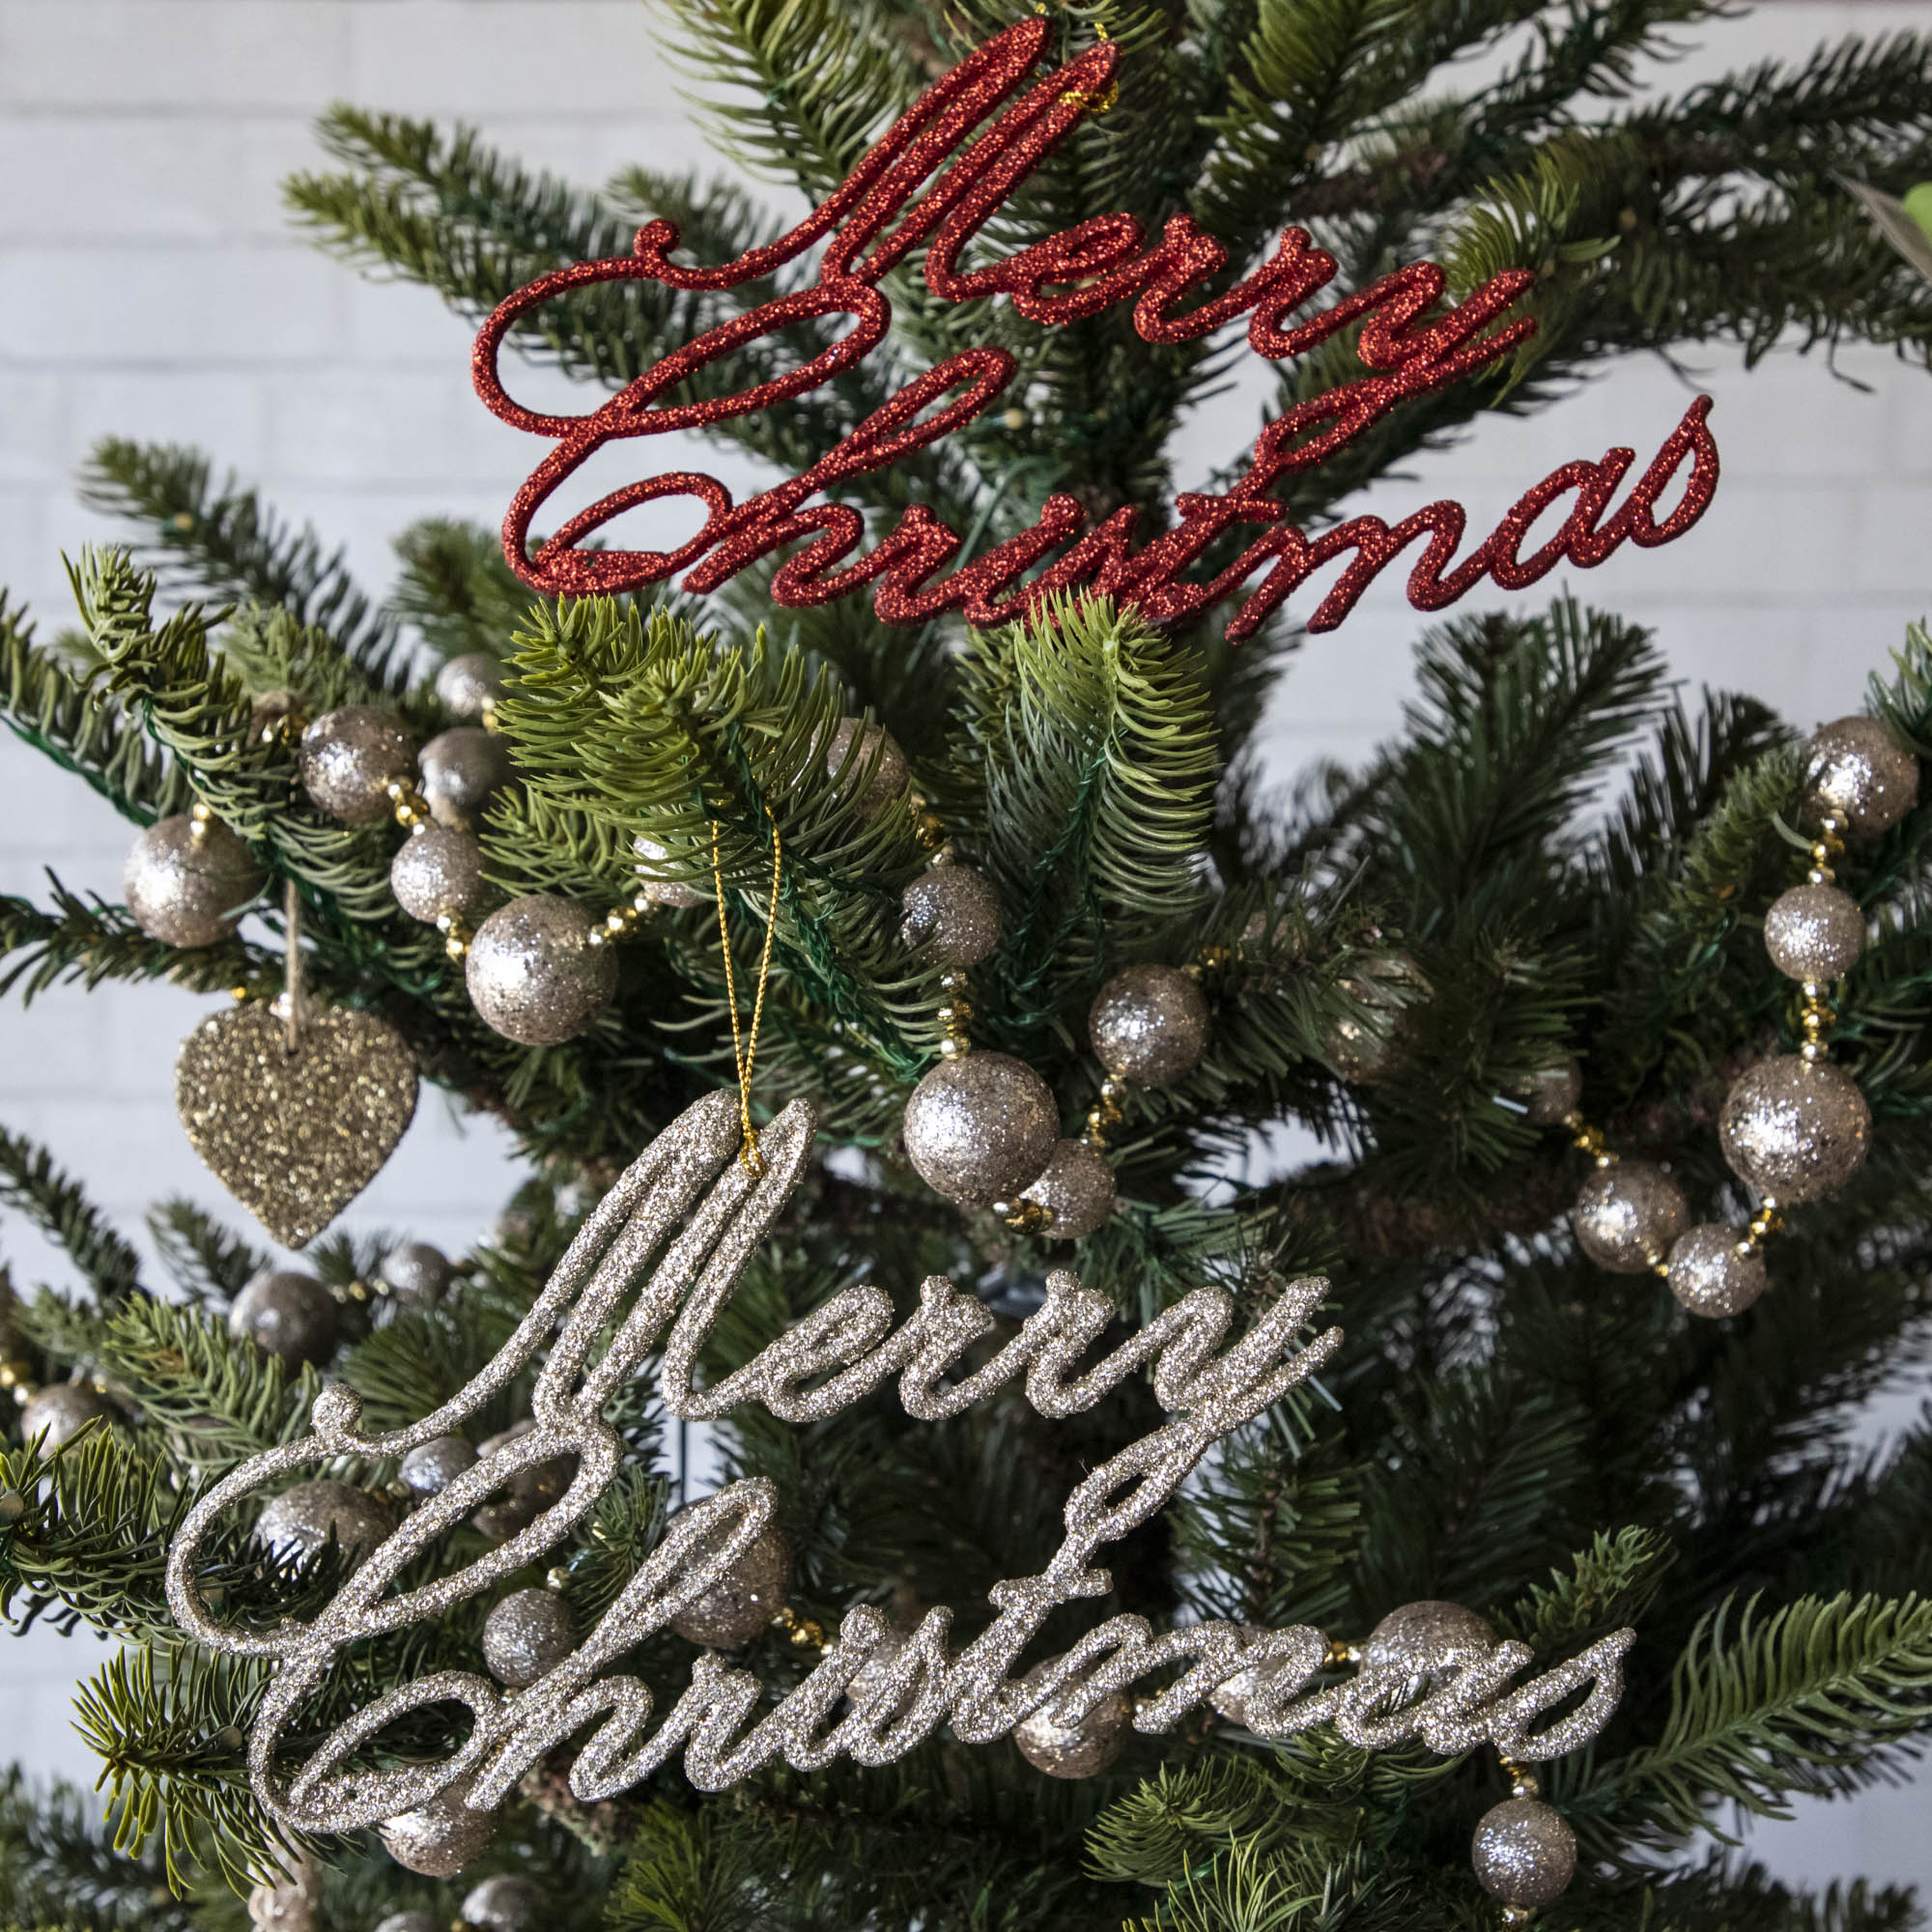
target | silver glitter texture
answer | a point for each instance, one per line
(1425, 1641)
(526, 1634)
(437, 872)
(187, 890)
(1525, 1853)
(469, 685)
(955, 910)
(1150, 1024)
(58, 1413)
(981, 1129)
(1711, 1274)
(301, 1519)
(652, 859)
(1856, 768)
(1797, 1129)
(350, 758)
(1370, 1048)
(439, 1837)
(506, 1903)
(1075, 1747)
(1628, 1215)
(1814, 932)
(651, 1269)
(295, 1137)
(854, 747)
(416, 1272)
(1552, 1095)
(461, 769)
(1076, 1187)
(533, 973)
(430, 1467)
(288, 1315)
(744, 1600)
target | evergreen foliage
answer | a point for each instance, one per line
(1570, 858)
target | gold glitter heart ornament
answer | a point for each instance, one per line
(295, 1134)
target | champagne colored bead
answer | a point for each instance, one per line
(462, 768)
(526, 1637)
(430, 1467)
(1525, 1853)
(736, 1610)
(469, 685)
(1367, 1050)
(1425, 1640)
(860, 743)
(1855, 768)
(300, 1520)
(288, 1315)
(58, 1412)
(1712, 1274)
(1150, 1024)
(1076, 1189)
(416, 1272)
(533, 974)
(189, 883)
(981, 1129)
(1628, 1215)
(955, 910)
(1814, 932)
(350, 758)
(437, 872)
(1552, 1095)
(437, 1839)
(531, 1491)
(1082, 1746)
(1797, 1129)
(661, 891)
(509, 1902)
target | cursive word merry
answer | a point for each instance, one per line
(927, 187)
(686, 1217)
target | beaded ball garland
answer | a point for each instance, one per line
(1793, 1128)
(652, 1268)
(935, 179)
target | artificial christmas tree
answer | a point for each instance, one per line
(1445, 1530)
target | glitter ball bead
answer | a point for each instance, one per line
(1428, 1639)
(430, 1467)
(437, 872)
(660, 891)
(1814, 932)
(1082, 1748)
(1795, 1128)
(1551, 1095)
(416, 1272)
(1077, 1188)
(288, 1315)
(59, 1413)
(460, 770)
(1858, 769)
(409, 1921)
(533, 973)
(526, 1635)
(186, 891)
(889, 776)
(350, 758)
(1711, 1275)
(955, 911)
(1524, 1854)
(437, 1839)
(735, 1609)
(531, 1491)
(506, 1903)
(301, 1519)
(470, 686)
(1150, 1024)
(1628, 1214)
(1369, 1049)
(981, 1129)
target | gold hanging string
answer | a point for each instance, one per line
(745, 1049)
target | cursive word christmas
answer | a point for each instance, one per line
(917, 190)
(686, 1216)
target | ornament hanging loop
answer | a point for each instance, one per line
(745, 1043)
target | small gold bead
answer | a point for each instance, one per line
(1820, 875)
(1814, 1050)
(953, 1046)
(1340, 1652)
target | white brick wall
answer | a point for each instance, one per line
(151, 288)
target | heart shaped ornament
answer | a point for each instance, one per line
(294, 1135)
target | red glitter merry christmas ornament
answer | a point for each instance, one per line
(930, 185)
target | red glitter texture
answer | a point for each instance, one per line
(918, 190)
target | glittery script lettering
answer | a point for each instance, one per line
(685, 1218)
(929, 186)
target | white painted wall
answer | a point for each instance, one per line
(151, 288)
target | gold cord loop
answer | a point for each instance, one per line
(744, 1048)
